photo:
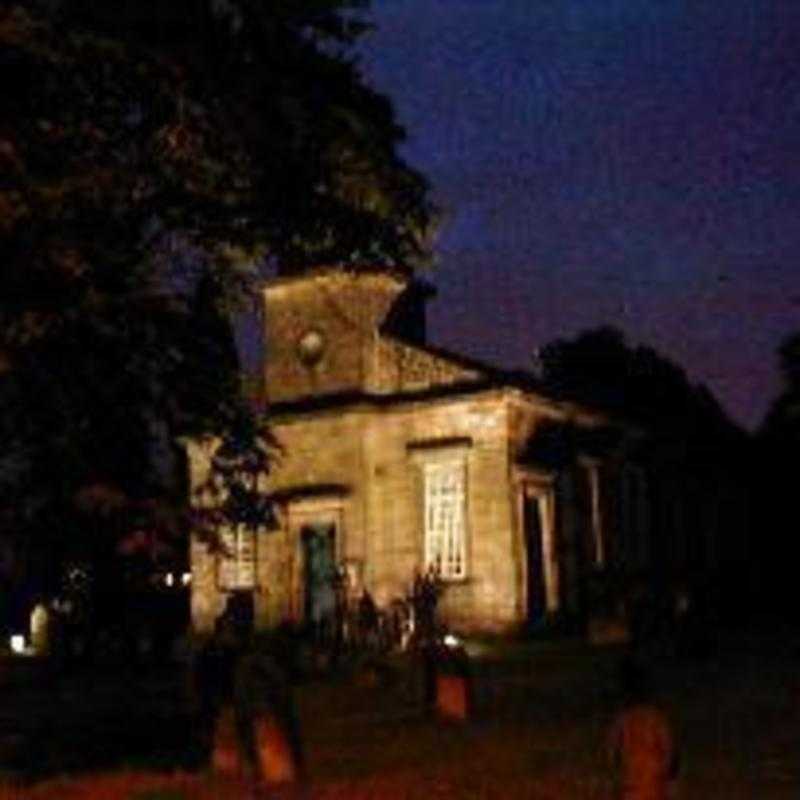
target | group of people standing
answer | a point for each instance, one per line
(341, 618)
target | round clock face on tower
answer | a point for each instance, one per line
(311, 347)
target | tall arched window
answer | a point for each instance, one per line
(445, 518)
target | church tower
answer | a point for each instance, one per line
(323, 330)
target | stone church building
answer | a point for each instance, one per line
(398, 456)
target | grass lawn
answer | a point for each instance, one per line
(538, 730)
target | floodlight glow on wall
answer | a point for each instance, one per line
(18, 644)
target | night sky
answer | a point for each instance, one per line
(634, 162)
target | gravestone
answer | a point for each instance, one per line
(275, 753)
(452, 693)
(450, 681)
(40, 629)
(226, 756)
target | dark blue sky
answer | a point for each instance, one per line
(634, 162)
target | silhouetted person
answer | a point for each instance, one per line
(339, 615)
(641, 613)
(698, 626)
(214, 671)
(682, 610)
(641, 742)
(425, 599)
(164, 625)
(266, 717)
(429, 653)
(239, 614)
(217, 661)
(367, 620)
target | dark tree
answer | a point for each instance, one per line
(153, 158)
(775, 469)
(321, 180)
(781, 427)
(600, 367)
(696, 461)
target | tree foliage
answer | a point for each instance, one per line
(695, 464)
(322, 181)
(637, 383)
(235, 491)
(781, 427)
(153, 156)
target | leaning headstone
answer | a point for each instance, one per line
(275, 753)
(451, 698)
(40, 630)
(453, 685)
(271, 736)
(226, 754)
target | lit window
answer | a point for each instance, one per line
(445, 519)
(236, 566)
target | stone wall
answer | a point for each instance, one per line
(361, 467)
(368, 451)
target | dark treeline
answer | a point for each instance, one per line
(685, 464)
(775, 508)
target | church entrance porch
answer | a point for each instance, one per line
(318, 543)
(540, 584)
(316, 531)
(532, 526)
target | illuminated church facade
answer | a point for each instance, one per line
(399, 457)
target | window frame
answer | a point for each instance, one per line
(235, 562)
(446, 544)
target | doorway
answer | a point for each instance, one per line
(319, 569)
(532, 520)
